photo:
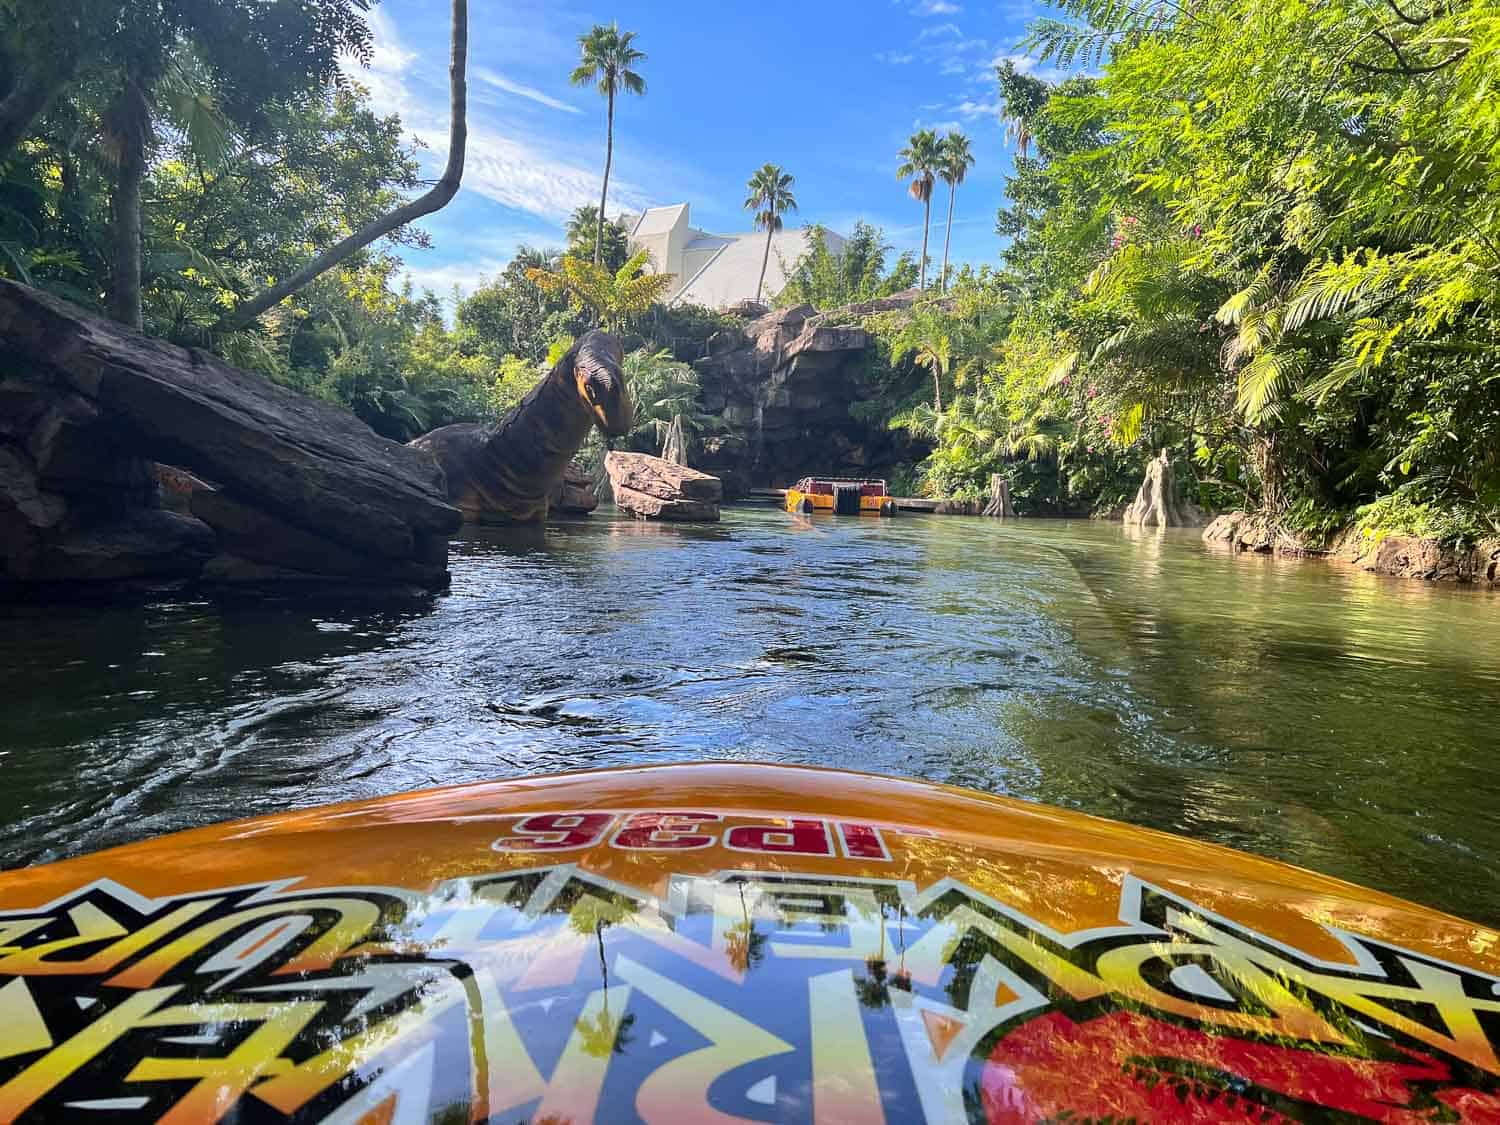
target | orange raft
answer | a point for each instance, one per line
(843, 497)
(723, 942)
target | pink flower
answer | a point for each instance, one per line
(1091, 449)
(1067, 380)
(1093, 390)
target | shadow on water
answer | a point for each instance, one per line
(1310, 713)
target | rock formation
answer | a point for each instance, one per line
(269, 485)
(508, 471)
(789, 385)
(652, 489)
(1410, 556)
(1156, 504)
(1399, 556)
(574, 494)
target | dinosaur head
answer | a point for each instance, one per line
(600, 379)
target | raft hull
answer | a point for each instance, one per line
(706, 942)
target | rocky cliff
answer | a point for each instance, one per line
(278, 487)
(788, 384)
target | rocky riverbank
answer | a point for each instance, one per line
(1400, 556)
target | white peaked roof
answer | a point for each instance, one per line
(730, 275)
(718, 269)
(658, 220)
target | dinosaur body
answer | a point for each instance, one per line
(504, 472)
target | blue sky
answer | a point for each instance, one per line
(830, 89)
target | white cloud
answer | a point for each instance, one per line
(465, 275)
(953, 66)
(1024, 64)
(499, 164)
(939, 31)
(936, 8)
(969, 108)
(894, 58)
(500, 82)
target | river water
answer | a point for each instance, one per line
(1315, 714)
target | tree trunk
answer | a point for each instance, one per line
(124, 299)
(609, 156)
(937, 388)
(999, 503)
(766, 257)
(674, 449)
(1267, 460)
(948, 237)
(1156, 503)
(926, 224)
(435, 199)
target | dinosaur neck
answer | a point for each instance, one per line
(534, 444)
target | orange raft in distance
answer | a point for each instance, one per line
(727, 942)
(843, 497)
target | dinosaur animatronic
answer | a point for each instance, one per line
(505, 471)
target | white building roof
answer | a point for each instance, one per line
(719, 269)
(658, 220)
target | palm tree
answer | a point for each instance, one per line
(957, 159)
(925, 337)
(605, 56)
(770, 197)
(921, 159)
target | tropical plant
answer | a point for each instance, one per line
(921, 160)
(583, 228)
(829, 279)
(434, 199)
(957, 159)
(663, 388)
(770, 196)
(606, 56)
(925, 338)
(609, 297)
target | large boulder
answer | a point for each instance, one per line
(93, 406)
(574, 494)
(652, 489)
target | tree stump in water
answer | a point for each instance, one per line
(999, 502)
(674, 449)
(1156, 504)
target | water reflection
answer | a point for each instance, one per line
(1316, 714)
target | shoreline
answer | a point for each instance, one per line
(1392, 555)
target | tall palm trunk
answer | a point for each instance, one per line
(128, 126)
(609, 156)
(926, 224)
(948, 237)
(125, 237)
(937, 389)
(766, 257)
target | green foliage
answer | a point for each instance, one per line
(828, 280)
(1254, 238)
(663, 388)
(609, 298)
(583, 229)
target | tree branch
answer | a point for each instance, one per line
(435, 199)
(1413, 21)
